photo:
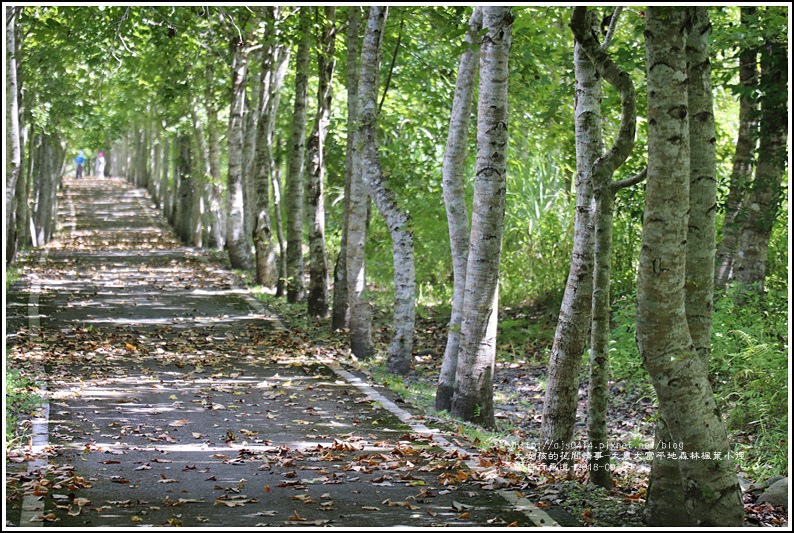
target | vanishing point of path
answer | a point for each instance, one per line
(175, 399)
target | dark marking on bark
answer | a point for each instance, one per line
(678, 112)
(657, 265)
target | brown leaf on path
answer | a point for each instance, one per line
(228, 503)
(305, 498)
(178, 423)
(457, 506)
(296, 517)
(50, 517)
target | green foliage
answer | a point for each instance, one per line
(12, 275)
(21, 401)
(749, 370)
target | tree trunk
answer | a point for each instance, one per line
(236, 240)
(360, 311)
(295, 285)
(13, 144)
(183, 215)
(281, 286)
(678, 374)
(217, 239)
(49, 154)
(204, 215)
(473, 396)
(253, 106)
(604, 194)
(455, 202)
(397, 220)
(562, 385)
(766, 193)
(743, 160)
(341, 311)
(273, 66)
(166, 207)
(318, 265)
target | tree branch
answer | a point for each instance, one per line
(393, 61)
(613, 23)
(628, 182)
(624, 142)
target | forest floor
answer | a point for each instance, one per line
(518, 395)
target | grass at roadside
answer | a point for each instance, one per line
(21, 401)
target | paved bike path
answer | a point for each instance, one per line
(176, 400)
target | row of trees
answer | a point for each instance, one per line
(190, 102)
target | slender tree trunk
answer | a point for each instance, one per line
(360, 311)
(318, 265)
(397, 220)
(236, 241)
(295, 285)
(281, 286)
(455, 202)
(604, 194)
(217, 239)
(183, 215)
(13, 143)
(743, 160)
(473, 396)
(272, 78)
(50, 156)
(253, 107)
(341, 311)
(205, 217)
(677, 371)
(166, 207)
(573, 325)
(766, 193)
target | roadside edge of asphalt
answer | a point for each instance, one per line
(537, 515)
(33, 506)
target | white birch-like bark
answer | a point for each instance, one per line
(665, 487)
(604, 194)
(743, 160)
(295, 189)
(274, 59)
(678, 374)
(13, 145)
(281, 286)
(341, 304)
(397, 220)
(360, 310)
(473, 396)
(253, 107)
(455, 202)
(766, 193)
(317, 297)
(217, 238)
(236, 241)
(570, 338)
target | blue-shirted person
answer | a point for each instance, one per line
(79, 161)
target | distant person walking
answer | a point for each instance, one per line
(100, 165)
(79, 161)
